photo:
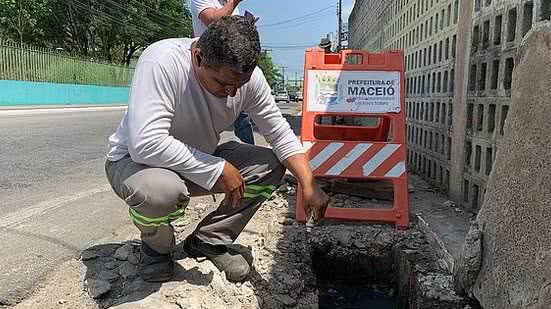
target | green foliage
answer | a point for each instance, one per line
(98, 29)
(271, 72)
(19, 19)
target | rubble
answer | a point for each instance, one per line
(123, 252)
(285, 263)
(97, 288)
(469, 262)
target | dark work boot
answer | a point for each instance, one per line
(154, 266)
(232, 263)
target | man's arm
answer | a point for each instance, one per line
(210, 15)
(313, 197)
(267, 116)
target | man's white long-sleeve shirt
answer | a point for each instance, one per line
(173, 122)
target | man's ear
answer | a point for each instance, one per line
(197, 57)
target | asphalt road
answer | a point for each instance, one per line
(54, 198)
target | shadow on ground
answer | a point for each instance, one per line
(111, 276)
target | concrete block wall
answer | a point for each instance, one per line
(459, 63)
(427, 31)
(498, 28)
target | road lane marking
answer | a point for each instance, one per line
(16, 217)
(34, 111)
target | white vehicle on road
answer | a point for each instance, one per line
(282, 95)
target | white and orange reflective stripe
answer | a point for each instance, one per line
(377, 160)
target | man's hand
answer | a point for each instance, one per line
(314, 201)
(232, 184)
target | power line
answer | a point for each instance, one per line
(295, 18)
(103, 15)
(289, 44)
(153, 10)
(158, 15)
(288, 47)
(297, 23)
(113, 19)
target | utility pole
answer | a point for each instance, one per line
(296, 79)
(339, 31)
(283, 75)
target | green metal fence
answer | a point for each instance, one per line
(30, 63)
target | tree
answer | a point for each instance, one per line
(113, 29)
(19, 19)
(271, 72)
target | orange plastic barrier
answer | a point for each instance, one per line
(357, 84)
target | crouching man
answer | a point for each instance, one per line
(184, 93)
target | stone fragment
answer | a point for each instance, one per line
(448, 204)
(284, 188)
(128, 270)
(108, 275)
(285, 299)
(123, 252)
(62, 301)
(359, 243)
(110, 265)
(97, 288)
(468, 264)
(106, 251)
(88, 255)
(134, 258)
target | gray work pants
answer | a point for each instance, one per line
(157, 196)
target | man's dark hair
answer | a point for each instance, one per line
(231, 41)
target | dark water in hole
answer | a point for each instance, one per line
(339, 294)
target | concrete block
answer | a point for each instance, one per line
(516, 215)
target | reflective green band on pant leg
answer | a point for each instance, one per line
(148, 221)
(260, 187)
(254, 191)
(138, 221)
(255, 195)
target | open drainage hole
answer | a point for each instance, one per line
(347, 279)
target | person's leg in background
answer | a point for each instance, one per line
(262, 172)
(243, 128)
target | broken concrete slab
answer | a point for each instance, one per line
(515, 216)
(97, 288)
(123, 252)
(468, 265)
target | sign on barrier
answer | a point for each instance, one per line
(371, 88)
(353, 91)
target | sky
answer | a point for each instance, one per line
(310, 20)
